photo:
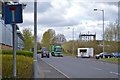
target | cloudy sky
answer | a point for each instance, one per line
(61, 14)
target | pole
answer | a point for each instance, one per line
(103, 32)
(35, 40)
(73, 40)
(14, 44)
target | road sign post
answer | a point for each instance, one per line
(14, 40)
(17, 13)
(13, 15)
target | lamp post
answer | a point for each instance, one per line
(35, 41)
(103, 24)
(72, 39)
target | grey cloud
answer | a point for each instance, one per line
(43, 7)
(29, 7)
(26, 23)
(55, 22)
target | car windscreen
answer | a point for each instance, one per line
(44, 49)
(58, 49)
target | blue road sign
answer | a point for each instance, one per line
(17, 13)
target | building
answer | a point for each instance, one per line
(6, 37)
(20, 41)
(60, 38)
(87, 36)
(6, 34)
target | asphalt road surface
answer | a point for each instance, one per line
(73, 67)
(47, 71)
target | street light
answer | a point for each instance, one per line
(103, 25)
(35, 41)
(73, 38)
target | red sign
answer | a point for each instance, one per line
(12, 8)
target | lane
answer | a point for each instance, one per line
(47, 71)
(83, 68)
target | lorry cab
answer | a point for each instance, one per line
(56, 50)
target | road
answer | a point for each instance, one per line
(46, 71)
(73, 67)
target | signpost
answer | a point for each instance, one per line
(13, 15)
(9, 10)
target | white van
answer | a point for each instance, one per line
(85, 52)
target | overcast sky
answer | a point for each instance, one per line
(61, 14)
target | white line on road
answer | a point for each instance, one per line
(57, 69)
(114, 73)
(97, 68)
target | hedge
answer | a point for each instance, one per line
(24, 67)
(19, 52)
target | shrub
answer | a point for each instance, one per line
(18, 52)
(24, 66)
(39, 51)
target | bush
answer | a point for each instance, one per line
(24, 67)
(39, 51)
(18, 52)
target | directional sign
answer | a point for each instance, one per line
(17, 13)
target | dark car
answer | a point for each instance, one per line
(45, 52)
(116, 55)
(103, 55)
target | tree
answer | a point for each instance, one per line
(46, 40)
(111, 32)
(111, 37)
(52, 36)
(49, 38)
(60, 38)
(29, 39)
(39, 45)
(81, 44)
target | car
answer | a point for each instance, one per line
(116, 55)
(45, 52)
(104, 55)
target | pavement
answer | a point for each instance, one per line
(47, 71)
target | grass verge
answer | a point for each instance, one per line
(24, 66)
(69, 54)
(111, 59)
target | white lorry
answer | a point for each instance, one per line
(85, 52)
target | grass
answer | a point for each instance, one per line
(24, 66)
(19, 52)
(111, 59)
(69, 54)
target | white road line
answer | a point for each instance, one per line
(57, 69)
(97, 68)
(114, 73)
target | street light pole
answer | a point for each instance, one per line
(103, 27)
(35, 41)
(72, 39)
(103, 32)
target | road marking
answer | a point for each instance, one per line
(114, 73)
(57, 69)
(97, 68)
(46, 70)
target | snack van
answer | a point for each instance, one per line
(85, 52)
